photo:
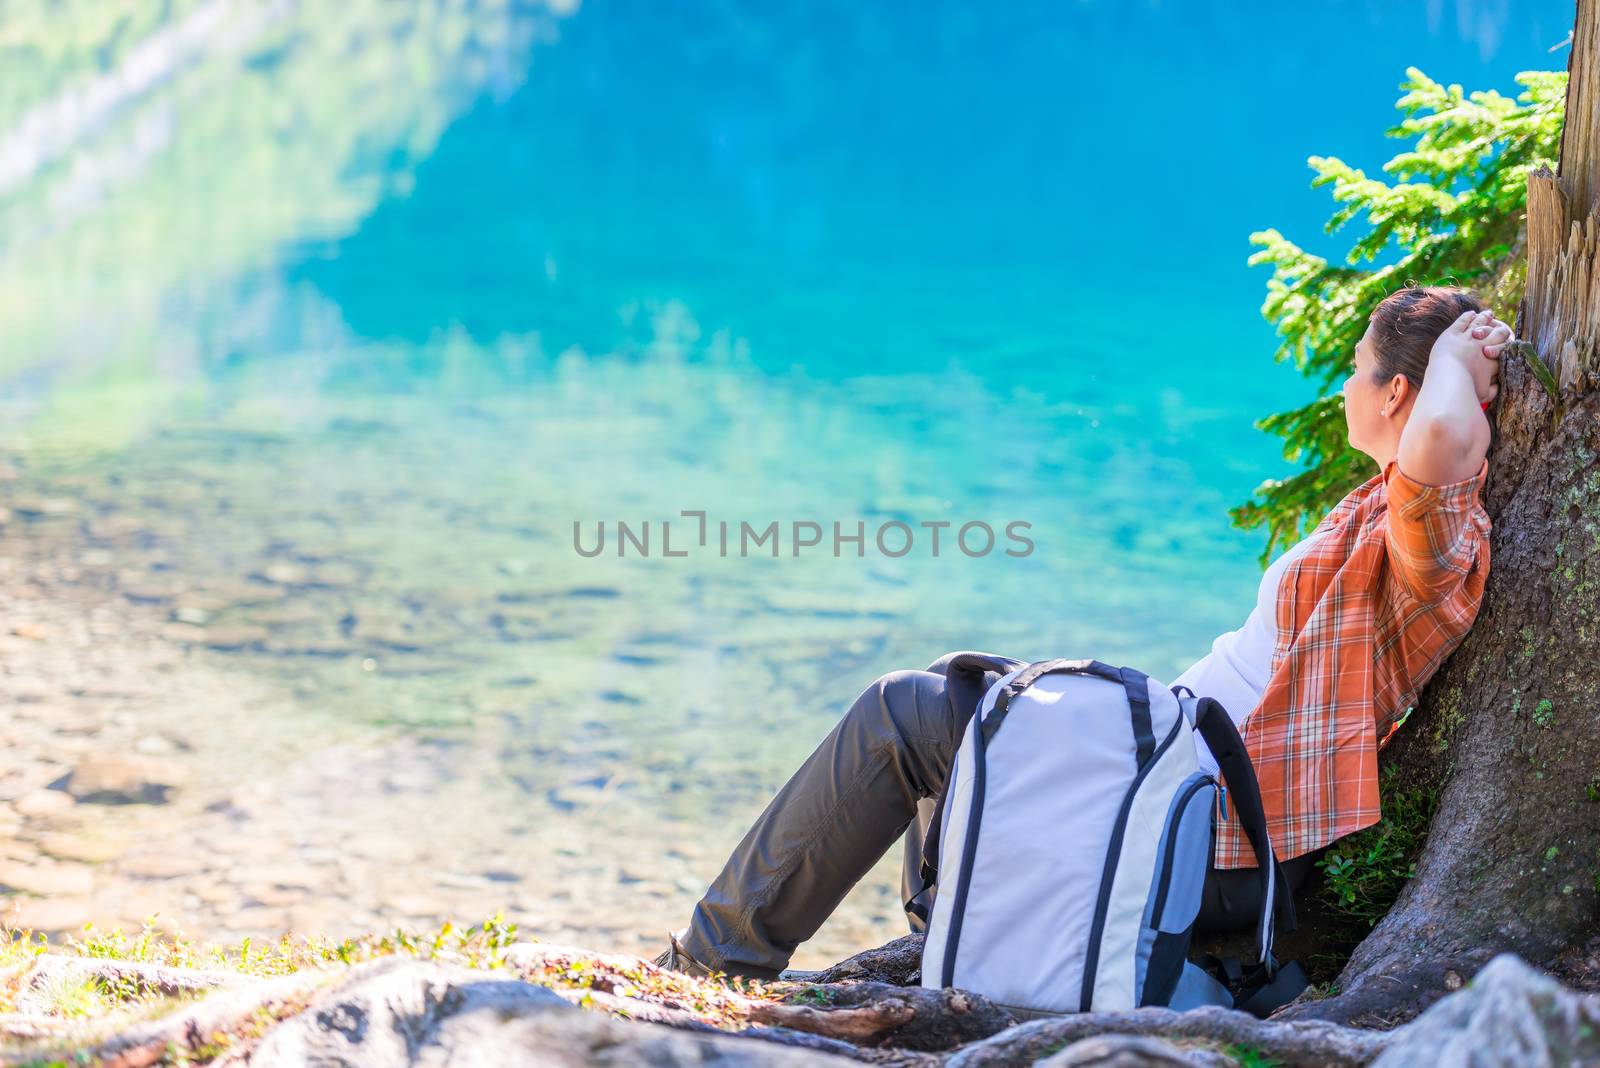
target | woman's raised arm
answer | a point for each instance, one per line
(1446, 437)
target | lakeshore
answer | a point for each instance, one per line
(169, 755)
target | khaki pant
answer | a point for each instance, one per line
(873, 780)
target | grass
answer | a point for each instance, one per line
(103, 1006)
(480, 945)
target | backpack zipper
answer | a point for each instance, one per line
(1091, 960)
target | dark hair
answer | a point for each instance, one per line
(1407, 322)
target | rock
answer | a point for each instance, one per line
(152, 592)
(112, 527)
(119, 780)
(1272, 1042)
(399, 1012)
(241, 636)
(46, 915)
(157, 866)
(79, 848)
(284, 574)
(40, 507)
(46, 879)
(42, 804)
(159, 745)
(29, 690)
(256, 920)
(1510, 1015)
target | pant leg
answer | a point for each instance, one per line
(829, 824)
(1231, 899)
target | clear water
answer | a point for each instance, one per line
(349, 315)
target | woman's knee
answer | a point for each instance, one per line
(908, 708)
(909, 699)
(941, 665)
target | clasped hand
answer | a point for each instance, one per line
(1475, 340)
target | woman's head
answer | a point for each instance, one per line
(1390, 360)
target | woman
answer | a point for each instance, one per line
(1349, 624)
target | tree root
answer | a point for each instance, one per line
(1312, 1045)
(208, 1028)
(897, 963)
(859, 1013)
(877, 1013)
(127, 978)
(1384, 999)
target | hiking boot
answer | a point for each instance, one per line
(677, 959)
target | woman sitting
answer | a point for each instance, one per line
(1349, 624)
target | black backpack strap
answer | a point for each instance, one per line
(1222, 738)
(1265, 992)
(928, 869)
(1260, 992)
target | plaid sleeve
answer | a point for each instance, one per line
(1430, 534)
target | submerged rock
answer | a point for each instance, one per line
(115, 780)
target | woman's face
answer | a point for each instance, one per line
(1373, 415)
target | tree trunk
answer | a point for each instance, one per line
(1509, 728)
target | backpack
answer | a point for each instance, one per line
(1075, 833)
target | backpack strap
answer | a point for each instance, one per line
(1135, 685)
(1260, 993)
(1222, 738)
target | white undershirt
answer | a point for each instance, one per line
(1235, 671)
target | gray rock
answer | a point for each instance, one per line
(1509, 1015)
(400, 1012)
(118, 780)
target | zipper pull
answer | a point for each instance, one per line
(1224, 802)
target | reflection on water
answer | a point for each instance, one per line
(324, 324)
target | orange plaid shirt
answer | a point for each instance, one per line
(1365, 617)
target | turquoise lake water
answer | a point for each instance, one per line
(369, 307)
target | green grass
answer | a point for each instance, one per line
(1365, 872)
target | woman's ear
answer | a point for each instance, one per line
(1400, 393)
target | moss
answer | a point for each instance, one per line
(1250, 1057)
(1447, 718)
(1544, 713)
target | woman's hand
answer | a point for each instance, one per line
(1475, 341)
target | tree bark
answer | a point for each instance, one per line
(1509, 728)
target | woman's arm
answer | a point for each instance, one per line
(1434, 526)
(1446, 437)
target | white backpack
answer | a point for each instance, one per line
(1074, 837)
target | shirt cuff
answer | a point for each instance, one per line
(1410, 498)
